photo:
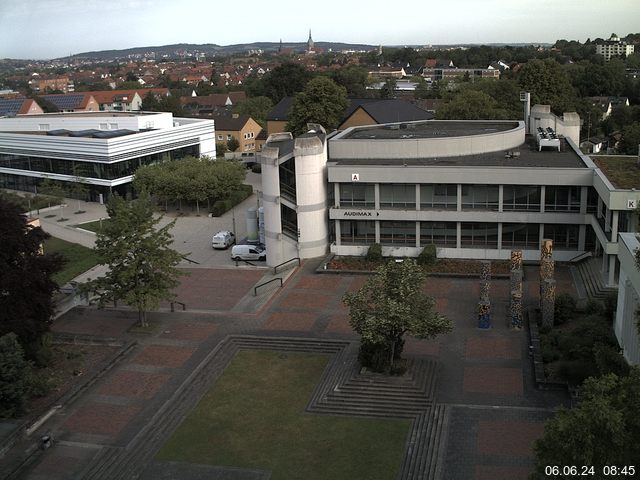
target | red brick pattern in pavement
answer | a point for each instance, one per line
(100, 418)
(493, 347)
(339, 323)
(188, 330)
(306, 300)
(498, 472)
(213, 289)
(493, 380)
(438, 287)
(357, 282)
(293, 321)
(127, 383)
(163, 355)
(414, 346)
(508, 438)
(320, 282)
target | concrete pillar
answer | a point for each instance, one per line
(582, 237)
(500, 201)
(584, 196)
(376, 195)
(459, 198)
(271, 204)
(336, 194)
(458, 235)
(499, 236)
(543, 192)
(377, 231)
(418, 234)
(417, 196)
(614, 225)
(338, 230)
(541, 236)
(611, 280)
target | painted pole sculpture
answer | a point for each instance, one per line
(515, 305)
(547, 283)
(484, 305)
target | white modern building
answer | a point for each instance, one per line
(626, 321)
(475, 189)
(614, 47)
(100, 149)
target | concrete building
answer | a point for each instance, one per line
(475, 189)
(102, 149)
(614, 47)
(626, 322)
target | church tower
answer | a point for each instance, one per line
(310, 43)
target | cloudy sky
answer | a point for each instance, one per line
(53, 28)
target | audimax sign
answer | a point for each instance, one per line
(359, 213)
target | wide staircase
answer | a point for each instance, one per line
(593, 279)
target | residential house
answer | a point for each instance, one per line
(118, 100)
(607, 104)
(243, 128)
(592, 145)
(73, 102)
(63, 84)
(18, 106)
(213, 104)
(614, 47)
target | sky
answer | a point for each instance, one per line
(44, 29)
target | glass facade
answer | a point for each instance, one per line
(562, 199)
(479, 235)
(357, 195)
(480, 197)
(97, 170)
(289, 219)
(442, 234)
(398, 233)
(565, 237)
(520, 235)
(444, 197)
(287, 172)
(520, 198)
(355, 232)
(399, 195)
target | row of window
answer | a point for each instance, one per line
(106, 171)
(444, 234)
(474, 197)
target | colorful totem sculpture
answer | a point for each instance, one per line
(516, 277)
(484, 305)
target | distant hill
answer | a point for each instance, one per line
(179, 49)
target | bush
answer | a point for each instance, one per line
(610, 305)
(610, 360)
(594, 307)
(428, 255)
(219, 207)
(374, 253)
(576, 371)
(550, 353)
(565, 308)
(14, 376)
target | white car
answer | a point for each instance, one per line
(248, 252)
(223, 239)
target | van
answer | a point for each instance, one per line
(248, 252)
(223, 239)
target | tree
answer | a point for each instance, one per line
(150, 103)
(630, 142)
(390, 305)
(471, 105)
(388, 90)
(233, 144)
(141, 265)
(603, 430)
(353, 78)
(14, 377)
(26, 287)
(548, 84)
(221, 149)
(283, 81)
(322, 101)
(257, 108)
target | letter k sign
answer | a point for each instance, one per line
(355, 177)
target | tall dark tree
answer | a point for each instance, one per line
(322, 101)
(548, 84)
(26, 287)
(283, 81)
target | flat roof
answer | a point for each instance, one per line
(429, 129)
(622, 171)
(526, 155)
(102, 113)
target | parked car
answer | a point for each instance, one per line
(223, 239)
(248, 252)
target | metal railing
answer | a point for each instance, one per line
(184, 305)
(275, 269)
(255, 289)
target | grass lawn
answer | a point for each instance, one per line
(79, 259)
(93, 226)
(253, 417)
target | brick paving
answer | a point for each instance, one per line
(485, 380)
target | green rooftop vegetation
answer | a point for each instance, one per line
(622, 171)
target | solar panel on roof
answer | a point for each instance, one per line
(65, 102)
(10, 106)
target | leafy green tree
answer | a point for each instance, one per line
(257, 108)
(392, 304)
(26, 305)
(471, 105)
(603, 430)
(548, 84)
(323, 102)
(233, 144)
(141, 263)
(630, 142)
(221, 149)
(150, 103)
(353, 78)
(14, 377)
(283, 81)
(388, 90)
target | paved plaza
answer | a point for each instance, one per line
(492, 411)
